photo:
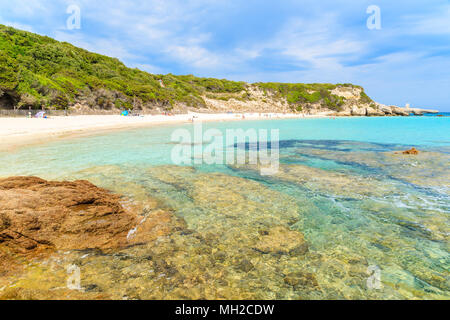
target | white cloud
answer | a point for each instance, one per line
(435, 23)
(194, 55)
(248, 53)
(147, 67)
(25, 8)
(314, 42)
(108, 47)
(17, 25)
(165, 28)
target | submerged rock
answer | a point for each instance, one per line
(301, 279)
(214, 256)
(326, 181)
(245, 266)
(281, 240)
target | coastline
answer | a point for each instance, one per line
(123, 194)
(17, 132)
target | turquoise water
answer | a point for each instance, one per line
(440, 114)
(152, 147)
(340, 184)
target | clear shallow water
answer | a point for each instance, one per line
(340, 185)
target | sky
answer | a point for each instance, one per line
(400, 56)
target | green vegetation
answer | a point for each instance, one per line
(37, 71)
(298, 94)
(365, 98)
(228, 96)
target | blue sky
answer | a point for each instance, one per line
(407, 60)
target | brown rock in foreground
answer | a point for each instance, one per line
(38, 215)
(411, 151)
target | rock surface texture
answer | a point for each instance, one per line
(38, 217)
(411, 151)
(37, 214)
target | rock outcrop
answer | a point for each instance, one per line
(358, 111)
(385, 109)
(37, 215)
(399, 111)
(353, 102)
(372, 112)
(413, 151)
(344, 113)
(419, 112)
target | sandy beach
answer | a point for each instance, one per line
(16, 132)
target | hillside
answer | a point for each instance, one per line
(40, 72)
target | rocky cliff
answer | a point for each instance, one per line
(349, 100)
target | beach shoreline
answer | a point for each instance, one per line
(18, 132)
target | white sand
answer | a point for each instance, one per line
(19, 131)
